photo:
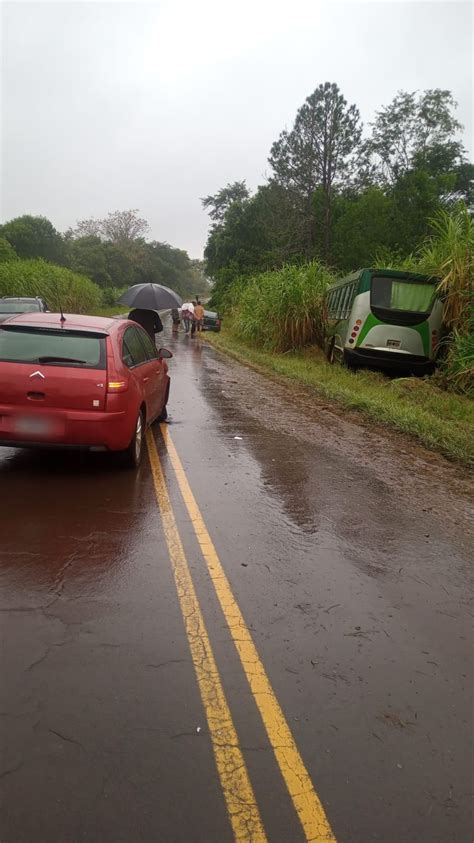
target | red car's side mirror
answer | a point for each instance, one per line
(164, 354)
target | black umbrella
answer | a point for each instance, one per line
(151, 297)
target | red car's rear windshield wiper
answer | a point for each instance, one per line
(53, 359)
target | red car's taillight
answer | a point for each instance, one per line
(117, 386)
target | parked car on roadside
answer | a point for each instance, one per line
(10, 305)
(86, 382)
(212, 321)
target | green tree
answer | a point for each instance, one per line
(362, 225)
(415, 131)
(416, 197)
(238, 244)
(120, 266)
(280, 225)
(34, 237)
(318, 152)
(88, 256)
(7, 252)
(218, 204)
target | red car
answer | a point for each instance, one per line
(80, 382)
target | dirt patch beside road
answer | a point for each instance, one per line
(427, 481)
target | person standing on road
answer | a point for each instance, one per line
(187, 313)
(199, 315)
(175, 318)
(148, 319)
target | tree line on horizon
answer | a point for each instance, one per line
(341, 196)
(111, 251)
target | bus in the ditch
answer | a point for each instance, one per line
(386, 319)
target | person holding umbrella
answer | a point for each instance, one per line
(146, 300)
(187, 312)
(148, 319)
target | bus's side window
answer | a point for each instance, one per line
(347, 299)
(344, 299)
(353, 292)
(331, 304)
(342, 305)
(342, 293)
(340, 301)
(350, 300)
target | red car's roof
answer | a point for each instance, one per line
(72, 320)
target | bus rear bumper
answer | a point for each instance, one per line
(391, 360)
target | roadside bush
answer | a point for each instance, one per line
(58, 286)
(283, 309)
(449, 255)
(7, 252)
(110, 295)
(457, 371)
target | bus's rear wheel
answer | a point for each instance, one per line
(334, 354)
(331, 353)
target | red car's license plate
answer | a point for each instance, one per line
(34, 426)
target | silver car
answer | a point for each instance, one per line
(10, 305)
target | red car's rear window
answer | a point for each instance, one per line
(52, 347)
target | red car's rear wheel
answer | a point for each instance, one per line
(132, 456)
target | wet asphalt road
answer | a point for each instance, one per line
(355, 591)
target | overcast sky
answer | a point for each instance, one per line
(112, 105)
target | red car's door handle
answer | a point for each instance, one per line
(145, 380)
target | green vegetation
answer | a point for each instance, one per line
(7, 252)
(283, 310)
(338, 197)
(109, 311)
(58, 286)
(440, 420)
(448, 254)
(112, 252)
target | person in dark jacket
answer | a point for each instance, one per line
(148, 319)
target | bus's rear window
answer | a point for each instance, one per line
(398, 294)
(52, 348)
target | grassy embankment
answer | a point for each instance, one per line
(60, 287)
(110, 311)
(443, 421)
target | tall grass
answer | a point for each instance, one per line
(449, 254)
(111, 295)
(457, 371)
(60, 287)
(283, 309)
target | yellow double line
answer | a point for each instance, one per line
(240, 799)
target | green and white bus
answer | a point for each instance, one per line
(384, 318)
